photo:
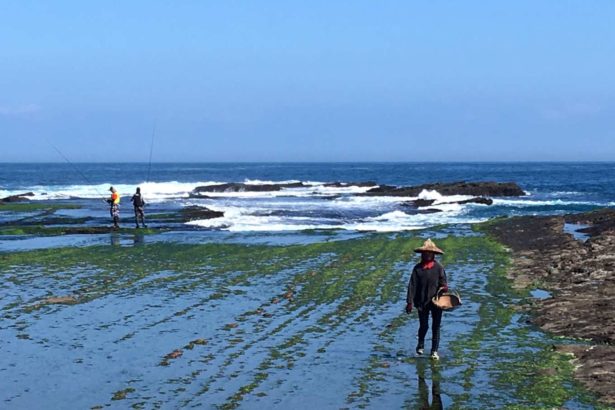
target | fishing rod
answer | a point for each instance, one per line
(151, 150)
(78, 171)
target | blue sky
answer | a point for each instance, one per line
(307, 81)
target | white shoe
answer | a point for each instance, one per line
(434, 356)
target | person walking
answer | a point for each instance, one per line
(138, 203)
(427, 279)
(114, 210)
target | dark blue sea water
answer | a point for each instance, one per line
(552, 188)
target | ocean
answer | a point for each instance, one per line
(552, 188)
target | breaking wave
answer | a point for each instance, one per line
(308, 205)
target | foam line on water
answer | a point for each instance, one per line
(537, 202)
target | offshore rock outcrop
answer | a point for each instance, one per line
(18, 198)
(452, 188)
(232, 187)
(476, 189)
(192, 213)
(421, 203)
(241, 187)
(581, 277)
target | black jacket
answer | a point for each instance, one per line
(424, 284)
(137, 201)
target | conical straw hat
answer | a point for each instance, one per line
(429, 246)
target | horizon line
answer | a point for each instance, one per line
(321, 162)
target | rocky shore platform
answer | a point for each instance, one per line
(573, 258)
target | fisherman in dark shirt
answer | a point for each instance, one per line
(427, 279)
(138, 203)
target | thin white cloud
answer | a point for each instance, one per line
(18, 110)
(573, 110)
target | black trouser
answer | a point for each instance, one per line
(139, 215)
(436, 318)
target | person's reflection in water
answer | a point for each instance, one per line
(138, 239)
(436, 400)
(115, 239)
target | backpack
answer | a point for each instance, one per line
(137, 200)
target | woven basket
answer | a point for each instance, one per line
(447, 300)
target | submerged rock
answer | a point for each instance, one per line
(60, 300)
(175, 354)
(196, 342)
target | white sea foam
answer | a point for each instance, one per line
(247, 216)
(151, 191)
(449, 208)
(157, 191)
(390, 216)
(563, 193)
(236, 220)
(533, 202)
(430, 194)
(314, 206)
(261, 182)
(440, 199)
(302, 192)
(371, 200)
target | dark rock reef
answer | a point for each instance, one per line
(475, 189)
(452, 188)
(347, 184)
(18, 198)
(192, 213)
(421, 203)
(241, 187)
(580, 275)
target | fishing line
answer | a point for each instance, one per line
(151, 150)
(78, 171)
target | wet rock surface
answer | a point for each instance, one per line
(581, 277)
(191, 213)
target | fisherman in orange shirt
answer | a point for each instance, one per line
(114, 202)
